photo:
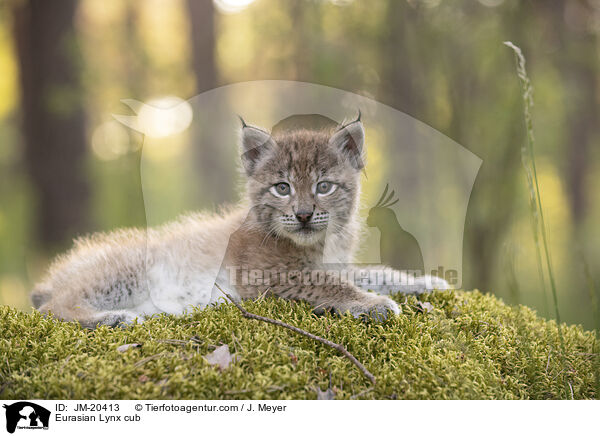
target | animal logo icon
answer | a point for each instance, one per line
(397, 247)
(25, 414)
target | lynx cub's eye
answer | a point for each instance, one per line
(325, 188)
(280, 190)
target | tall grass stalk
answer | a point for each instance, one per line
(528, 160)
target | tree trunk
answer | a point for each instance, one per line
(53, 117)
(202, 33)
(214, 185)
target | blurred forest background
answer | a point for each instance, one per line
(65, 65)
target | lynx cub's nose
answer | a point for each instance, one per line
(304, 216)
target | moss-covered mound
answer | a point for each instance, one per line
(467, 345)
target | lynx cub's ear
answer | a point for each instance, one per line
(350, 140)
(256, 144)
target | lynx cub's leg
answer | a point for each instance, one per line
(387, 281)
(341, 298)
(347, 298)
(88, 316)
(111, 318)
(364, 303)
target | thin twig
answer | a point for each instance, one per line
(361, 393)
(65, 362)
(236, 341)
(172, 341)
(148, 359)
(194, 340)
(338, 347)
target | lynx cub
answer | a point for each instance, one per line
(299, 217)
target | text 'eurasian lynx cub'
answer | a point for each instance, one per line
(294, 235)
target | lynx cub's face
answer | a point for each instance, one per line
(302, 183)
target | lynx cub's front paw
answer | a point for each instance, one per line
(116, 318)
(374, 306)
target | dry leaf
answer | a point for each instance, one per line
(126, 347)
(425, 306)
(221, 357)
(325, 395)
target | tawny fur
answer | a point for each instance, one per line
(117, 277)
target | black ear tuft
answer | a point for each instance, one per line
(350, 140)
(256, 144)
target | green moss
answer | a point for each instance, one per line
(470, 346)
